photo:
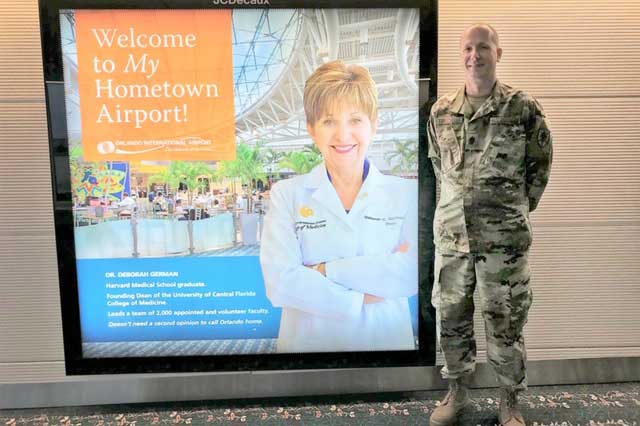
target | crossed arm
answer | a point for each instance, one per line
(338, 288)
(383, 276)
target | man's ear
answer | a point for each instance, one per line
(499, 51)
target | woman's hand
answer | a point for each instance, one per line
(402, 248)
(320, 267)
(370, 298)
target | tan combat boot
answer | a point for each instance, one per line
(451, 406)
(509, 413)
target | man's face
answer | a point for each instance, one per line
(480, 54)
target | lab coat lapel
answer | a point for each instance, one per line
(370, 192)
(324, 193)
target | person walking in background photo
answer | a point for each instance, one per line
(491, 151)
(127, 204)
(339, 244)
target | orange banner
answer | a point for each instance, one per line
(156, 84)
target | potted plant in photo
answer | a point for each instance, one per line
(404, 158)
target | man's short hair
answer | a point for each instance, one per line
(335, 84)
(492, 30)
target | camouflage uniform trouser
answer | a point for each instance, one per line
(503, 286)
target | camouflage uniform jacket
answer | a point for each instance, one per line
(492, 167)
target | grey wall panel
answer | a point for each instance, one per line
(20, 58)
(596, 167)
(30, 318)
(25, 175)
(32, 372)
(585, 284)
(562, 48)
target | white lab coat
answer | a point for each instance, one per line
(307, 224)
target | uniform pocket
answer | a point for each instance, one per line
(450, 152)
(506, 151)
(435, 292)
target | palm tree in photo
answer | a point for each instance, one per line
(248, 167)
(301, 162)
(312, 148)
(404, 156)
(189, 174)
(167, 177)
(272, 158)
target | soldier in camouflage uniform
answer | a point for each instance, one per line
(491, 152)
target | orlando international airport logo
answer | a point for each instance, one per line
(134, 147)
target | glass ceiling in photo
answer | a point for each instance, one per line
(264, 42)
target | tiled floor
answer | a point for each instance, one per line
(583, 405)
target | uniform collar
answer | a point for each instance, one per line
(458, 101)
(497, 94)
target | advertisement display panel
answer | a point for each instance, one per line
(243, 182)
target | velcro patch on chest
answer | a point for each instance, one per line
(449, 120)
(509, 121)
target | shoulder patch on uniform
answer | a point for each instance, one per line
(543, 138)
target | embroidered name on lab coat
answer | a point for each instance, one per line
(300, 225)
(388, 221)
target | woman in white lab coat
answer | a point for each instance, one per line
(339, 245)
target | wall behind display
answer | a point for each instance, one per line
(582, 67)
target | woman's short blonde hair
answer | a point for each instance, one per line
(335, 85)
